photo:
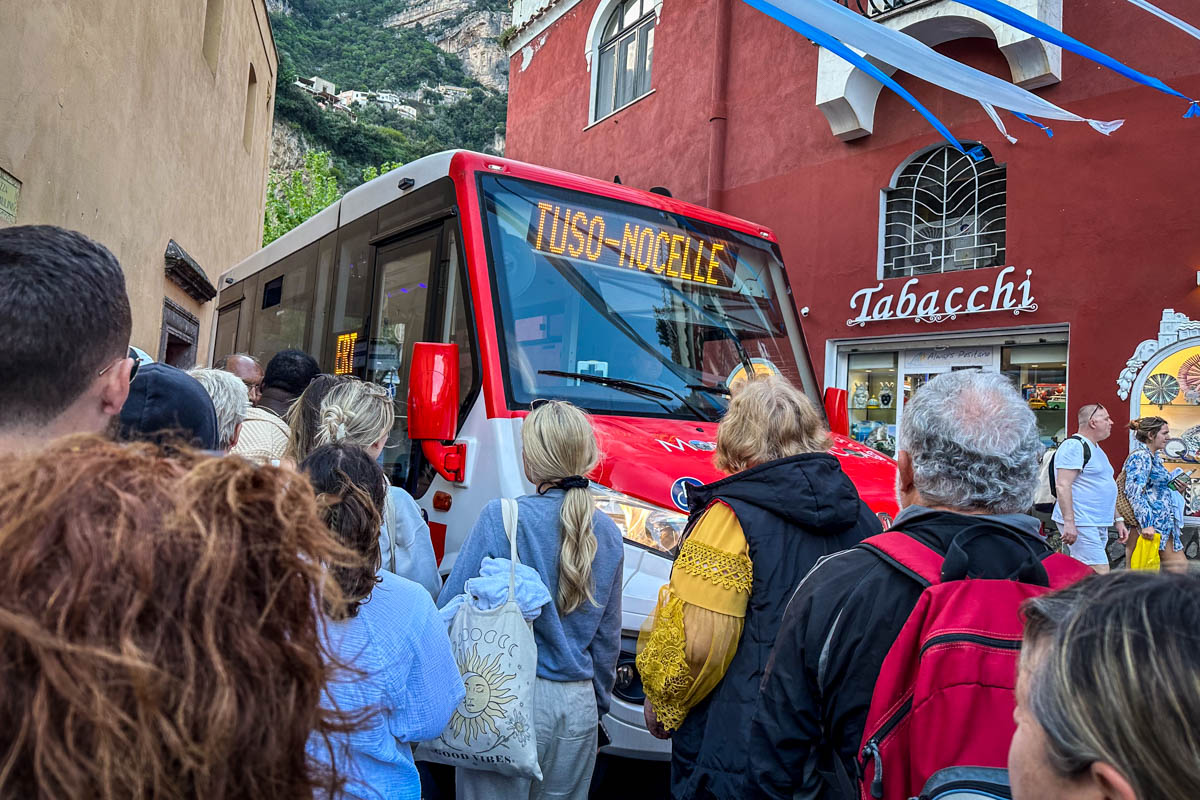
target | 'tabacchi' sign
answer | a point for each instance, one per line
(999, 295)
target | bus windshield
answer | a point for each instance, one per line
(625, 309)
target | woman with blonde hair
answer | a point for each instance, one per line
(1107, 691)
(158, 627)
(750, 540)
(361, 413)
(1157, 507)
(578, 553)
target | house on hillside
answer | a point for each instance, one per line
(352, 96)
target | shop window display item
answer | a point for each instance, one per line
(1161, 389)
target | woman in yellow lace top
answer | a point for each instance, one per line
(752, 538)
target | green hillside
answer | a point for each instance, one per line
(344, 41)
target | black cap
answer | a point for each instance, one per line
(166, 404)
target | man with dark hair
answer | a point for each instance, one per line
(264, 434)
(65, 364)
(288, 374)
(248, 369)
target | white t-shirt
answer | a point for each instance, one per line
(1094, 492)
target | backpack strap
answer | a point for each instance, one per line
(1087, 456)
(919, 561)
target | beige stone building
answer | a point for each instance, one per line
(147, 126)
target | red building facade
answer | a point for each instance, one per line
(1053, 261)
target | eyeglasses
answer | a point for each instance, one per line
(136, 363)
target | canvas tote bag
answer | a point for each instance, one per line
(492, 729)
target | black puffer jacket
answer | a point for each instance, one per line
(836, 632)
(792, 511)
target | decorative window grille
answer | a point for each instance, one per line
(944, 212)
(625, 56)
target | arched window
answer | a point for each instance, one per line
(944, 212)
(625, 53)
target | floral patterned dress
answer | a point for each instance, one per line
(1148, 490)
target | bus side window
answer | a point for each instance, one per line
(283, 309)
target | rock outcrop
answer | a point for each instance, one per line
(470, 35)
(287, 148)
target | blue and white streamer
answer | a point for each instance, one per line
(1176, 21)
(1047, 33)
(837, 48)
(914, 57)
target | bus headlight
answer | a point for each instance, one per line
(642, 523)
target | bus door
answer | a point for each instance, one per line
(420, 296)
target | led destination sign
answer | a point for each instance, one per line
(609, 240)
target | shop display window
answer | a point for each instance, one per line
(1171, 390)
(873, 399)
(1040, 373)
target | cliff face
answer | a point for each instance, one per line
(475, 42)
(287, 148)
(471, 35)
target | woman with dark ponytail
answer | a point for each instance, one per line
(578, 553)
(399, 674)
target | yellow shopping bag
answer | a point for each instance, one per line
(1145, 552)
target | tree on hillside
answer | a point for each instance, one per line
(293, 198)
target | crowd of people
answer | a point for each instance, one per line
(209, 589)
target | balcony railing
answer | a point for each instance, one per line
(878, 8)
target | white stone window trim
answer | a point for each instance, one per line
(847, 96)
(591, 52)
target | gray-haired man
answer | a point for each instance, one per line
(968, 458)
(230, 399)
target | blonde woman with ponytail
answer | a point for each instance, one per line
(360, 413)
(578, 553)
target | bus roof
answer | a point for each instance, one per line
(382, 190)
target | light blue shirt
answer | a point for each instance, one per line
(409, 551)
(405, 672)
(582, 645)
(1094, 492)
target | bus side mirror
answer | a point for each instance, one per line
(837, 411)
(433, 407)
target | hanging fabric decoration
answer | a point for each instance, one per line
(916, 58)
(845, 53)
(1176, 21)
(1031, 25)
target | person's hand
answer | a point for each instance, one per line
(1122, 532)
(1069, 533)
(1148, 532)
(652, 724)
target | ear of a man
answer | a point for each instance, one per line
(113, 388)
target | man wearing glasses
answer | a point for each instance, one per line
(1087, 490)
(65, 361)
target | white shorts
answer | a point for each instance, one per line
(1090, 547)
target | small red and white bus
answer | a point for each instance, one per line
(471, 286)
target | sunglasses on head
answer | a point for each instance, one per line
(132, 372)
(1095, 411)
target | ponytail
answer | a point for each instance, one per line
(559, 447)
(355, 412)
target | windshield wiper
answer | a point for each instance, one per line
(700, 387)
(658, 393)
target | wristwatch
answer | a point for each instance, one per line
(1119, 519)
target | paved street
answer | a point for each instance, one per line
(624, 778)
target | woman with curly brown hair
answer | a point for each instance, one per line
(401, 678)
(159, 626)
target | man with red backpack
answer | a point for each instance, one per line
(897, 658)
